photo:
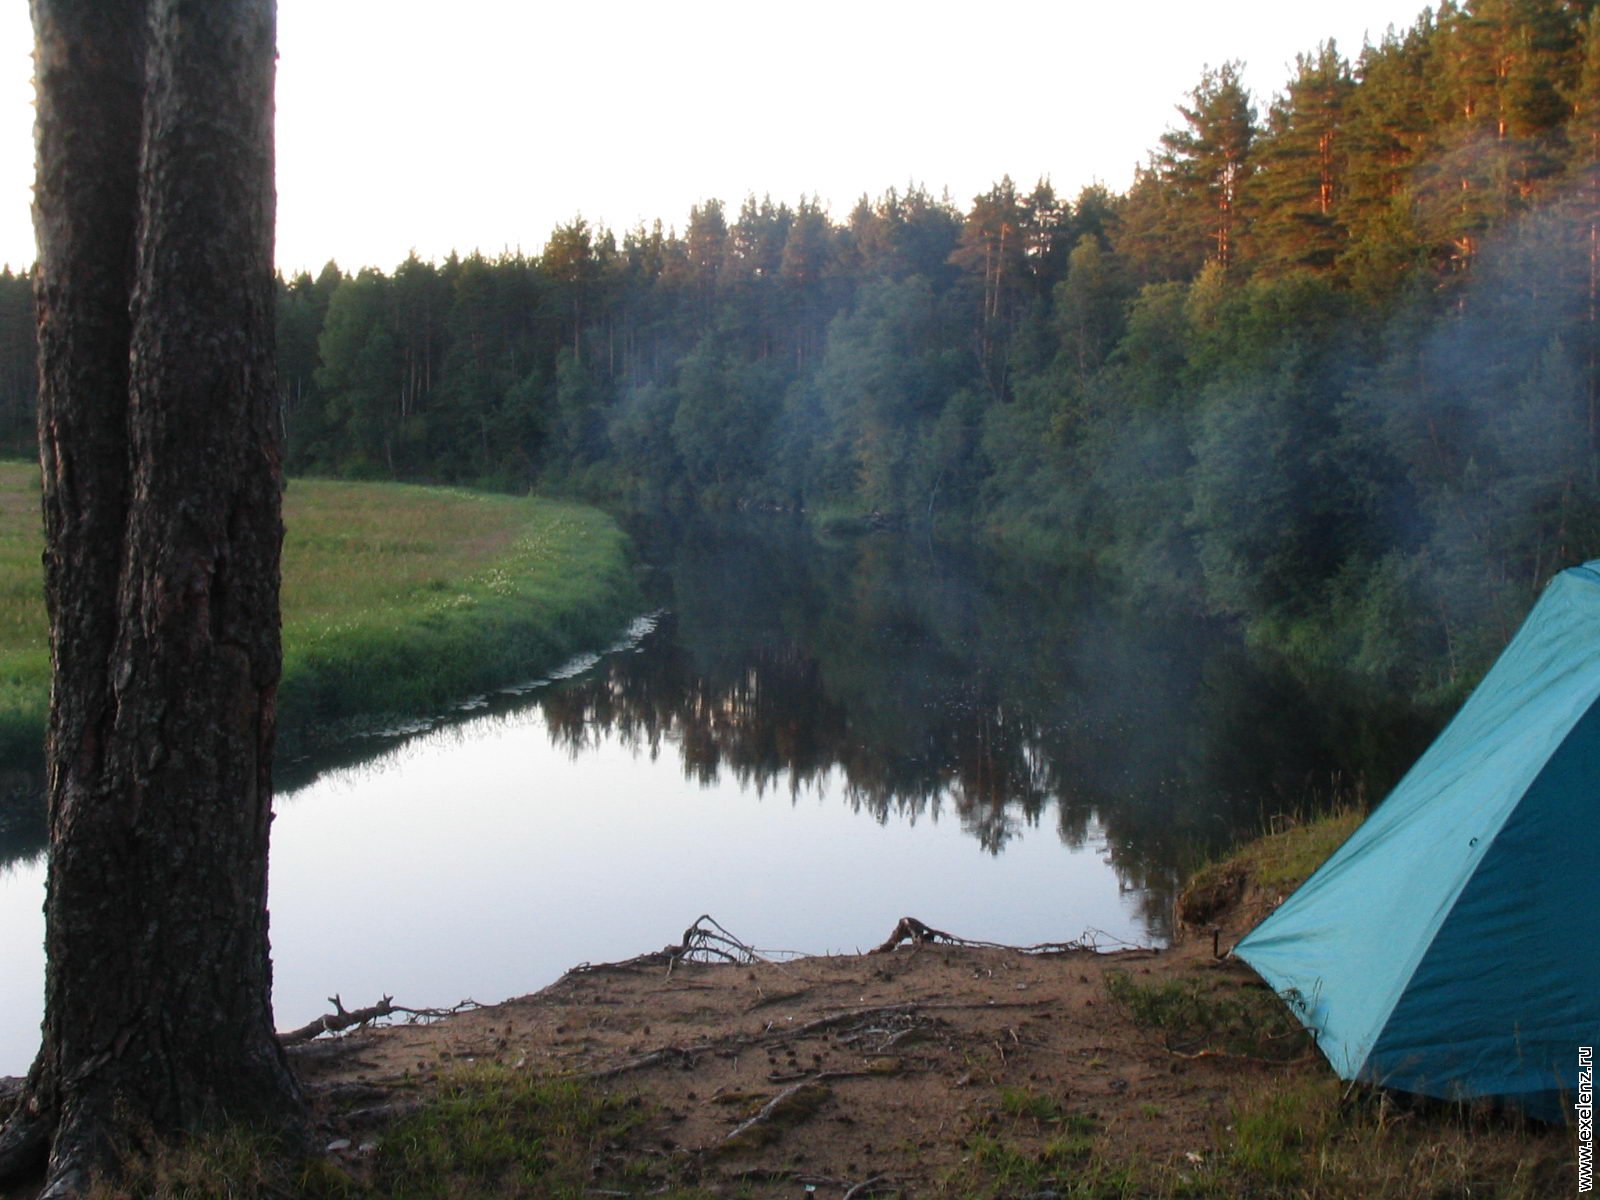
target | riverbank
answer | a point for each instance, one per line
(927, 1069)
(398, 601)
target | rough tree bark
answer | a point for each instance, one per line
(162, 481)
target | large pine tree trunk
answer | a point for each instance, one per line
(161, 495)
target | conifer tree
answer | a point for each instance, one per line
(1297, 189)
(1206, 164)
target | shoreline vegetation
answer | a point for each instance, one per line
(398, 601)
(938, 1068)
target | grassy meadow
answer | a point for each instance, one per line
(397, 600)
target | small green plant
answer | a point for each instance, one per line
(236, 1163)
(1193, 1015)
(1026, 1103)
(1272, 1134)
(497, 1131)
(1006, 1154)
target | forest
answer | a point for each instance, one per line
(1329, 368)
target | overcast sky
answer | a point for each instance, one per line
(471, 124)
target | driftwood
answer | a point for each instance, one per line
(706, 941)
(341, 1018)
(909, 929)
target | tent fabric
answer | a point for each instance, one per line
(1449, 947)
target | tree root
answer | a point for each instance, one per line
(24, 1141)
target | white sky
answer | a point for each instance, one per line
(482, 124)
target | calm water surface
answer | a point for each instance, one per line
(805, 742)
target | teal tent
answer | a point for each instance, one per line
(1450, 947)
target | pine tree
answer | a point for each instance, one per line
(1207, 163)
(161, 494)
(1297, 190)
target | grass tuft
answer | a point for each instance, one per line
(235, 1163)
(1215, 1016)
(497, 1131)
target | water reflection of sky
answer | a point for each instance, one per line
(484, 859)
(810, 743)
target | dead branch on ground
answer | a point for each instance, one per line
(706, 941)
(773, 1034)
(796, 1102)
(869, 1187)
(341, 1018)
(909, 929)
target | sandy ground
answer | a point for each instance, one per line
(878, 1067)
(914, 1072)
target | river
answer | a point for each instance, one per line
(806, 742)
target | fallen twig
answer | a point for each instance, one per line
(801, 1098)
(684, 1055)
(380, 1114)
(348, 1093)
(867, 1186)
(798, 1099)
(1230, 1056)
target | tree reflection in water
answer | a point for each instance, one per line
(927, 681)
(936, 681)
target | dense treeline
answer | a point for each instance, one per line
(1329, 366)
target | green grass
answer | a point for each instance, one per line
(1271, 866)
(397, 601)
(496, 1131)
(24, 637)
(236, 1163)
(1281, 862)
(1311, 1136)
(1031, 1144)
(486, 1131)
(1195, 1014)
